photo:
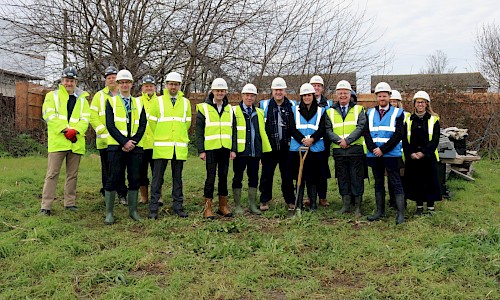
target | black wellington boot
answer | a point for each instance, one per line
(380, 202)
(313, 194)
(400, 203)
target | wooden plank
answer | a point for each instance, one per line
(462, 175)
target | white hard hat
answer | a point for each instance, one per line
(219, 84)
(422, 95)
(124, 75)
(307, 88)
(174, 77)
(249, 89)
(343, 85)
(383, 87)
(278, 83)
(316, 79)
(396, 95)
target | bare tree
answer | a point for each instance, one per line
(437, 63)
(488, 53)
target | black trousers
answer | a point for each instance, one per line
(122, 188)
(379, 166)
(251, 164)
(147, 161)
(160, 165)
(269, 162)
(216, 159)
(118, 162)
(349, 171)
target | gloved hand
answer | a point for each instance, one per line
(70, 133)
(73, 139)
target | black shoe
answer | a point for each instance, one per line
(181, 213)
(44, 212)
(160, 203)
(419, 211)
(71, 208)
(153, 215)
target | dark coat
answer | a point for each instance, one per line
(421, 179)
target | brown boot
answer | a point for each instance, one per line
(323, 202)
(144, 194)
(207, 211)
(223, 208)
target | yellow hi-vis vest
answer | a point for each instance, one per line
(343, 128)
(120, 117)
(147, 139)
(218, 129)
(55, 113)
(241, 127)
(98, 117)
(170, 127)
(430, 124)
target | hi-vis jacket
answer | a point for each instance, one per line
(431, 122)
(307, 128)
(123, 126)
(147, 139)
(170, 125)
(351, 128)
(55, 113)
(98, 117)
(385, 133)
(243, 126)
(215, 130)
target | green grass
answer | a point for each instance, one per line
(454, 254)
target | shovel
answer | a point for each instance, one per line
(297, 210)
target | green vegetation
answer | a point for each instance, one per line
(451, 255)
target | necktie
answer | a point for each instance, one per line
(382, 113)
(343, 112)
(127, 104)
(173, 101)
(249, 111)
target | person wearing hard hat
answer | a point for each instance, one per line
(98, 122)
(396, 101)
(252, 142)
(345, 125)
(420, 144)
(322, 186)
(170, 120)
(148, 97)
(278, 115)
(126, 123)
(66, 112)
(308, 130)
(216, 143)
(382, 136)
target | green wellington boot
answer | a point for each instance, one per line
(252, 197)
(380, 202)
(132, 204)
(237, 202)
(109, 198)
(346, 204)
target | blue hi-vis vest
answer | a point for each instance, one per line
(264, 104)
(382, 130)
(307, 128)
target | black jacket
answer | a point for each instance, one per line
(257, 142)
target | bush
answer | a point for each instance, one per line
(22, 145)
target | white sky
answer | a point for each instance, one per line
(415, 29)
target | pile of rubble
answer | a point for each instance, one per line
(453, 152)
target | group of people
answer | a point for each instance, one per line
(135, 134)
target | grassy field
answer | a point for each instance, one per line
(454, 254)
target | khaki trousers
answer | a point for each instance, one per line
(55, 160)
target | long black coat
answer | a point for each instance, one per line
(421, 180)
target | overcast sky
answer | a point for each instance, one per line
(415, 29)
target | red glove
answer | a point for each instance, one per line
(73, 139)
(70, 134)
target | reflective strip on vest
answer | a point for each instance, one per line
(314, 126)
(170, 144)
(392, 127)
